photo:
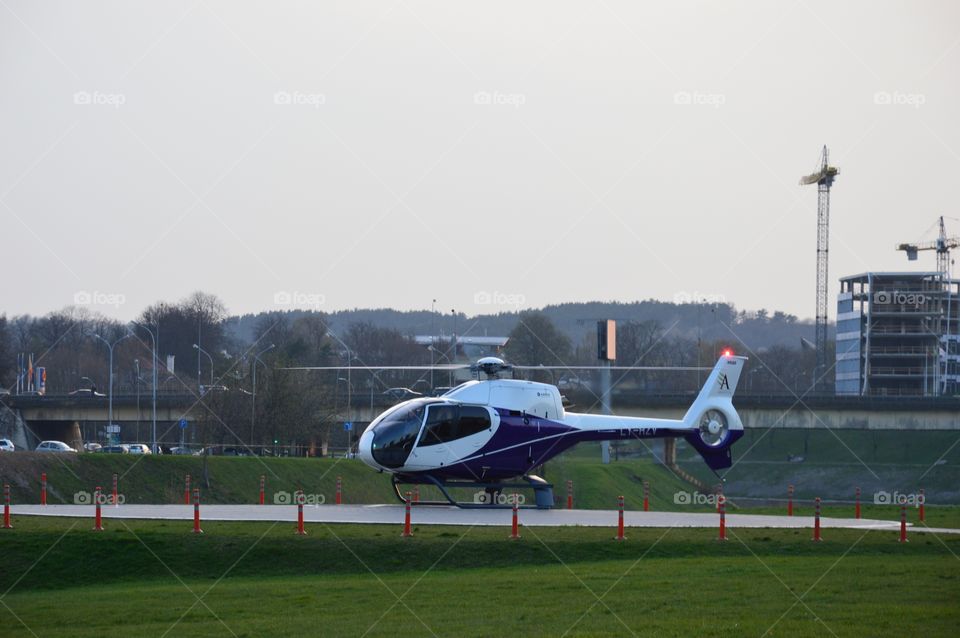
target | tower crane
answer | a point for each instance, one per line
(823, 177)
(942, 244)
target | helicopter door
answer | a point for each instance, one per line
(440, 427)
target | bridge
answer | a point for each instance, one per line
(28, 419)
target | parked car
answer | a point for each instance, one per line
(139, 448)
(6, 445)
(54, 446)
(123, 448)
(86, 392)
(185, 451)
(92, 447)
(401, 394)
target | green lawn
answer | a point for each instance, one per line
(143, 578)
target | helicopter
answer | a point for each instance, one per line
(483, 433)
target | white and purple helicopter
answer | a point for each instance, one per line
(483, 433)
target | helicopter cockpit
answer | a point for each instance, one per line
(396, 431)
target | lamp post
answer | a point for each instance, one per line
(197, 346)
(154, 384)
(110, 387)
(253, 403)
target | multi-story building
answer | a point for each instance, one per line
(897, 334)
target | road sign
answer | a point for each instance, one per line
(183, 424)
(347, 426)
(113, 429)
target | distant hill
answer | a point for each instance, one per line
(760, 329)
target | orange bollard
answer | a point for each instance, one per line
(515, 534)
(339, 490)
(719, 496)
(620, 536)
(97, 521)
(6, 506)
(722, 502)
(646, 496)
(569, 495)
(789, 500)
(196, 511)
(416, 493)
(903, 523)
(922, 503)
(300, 499)
(816, 521)
(116, 503)
(263, 485)
(857, 510)
(406, 521)
(186, 491)
(43, 488)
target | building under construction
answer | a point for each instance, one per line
(897, 334)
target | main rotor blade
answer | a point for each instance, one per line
(445, 366)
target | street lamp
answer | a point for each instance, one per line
(211, 364)
(110, 388)
(253, 403)
(154, 375)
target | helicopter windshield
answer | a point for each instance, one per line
(394, 435)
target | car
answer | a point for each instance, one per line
(86, 392)
(401, 394)
(6, 445)
(54, 446)
(185, 451)
(115, 449)
(213, 388)
(92, 447)
(139, 448)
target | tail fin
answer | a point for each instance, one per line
(713, 408)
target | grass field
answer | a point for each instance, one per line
(257, 579)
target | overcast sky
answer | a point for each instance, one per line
(490, 155)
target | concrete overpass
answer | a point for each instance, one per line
(29, 419)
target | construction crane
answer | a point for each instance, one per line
(823, 177)
(942, 244)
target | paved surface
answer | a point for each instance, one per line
(443, 515)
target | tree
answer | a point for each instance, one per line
(536, 341)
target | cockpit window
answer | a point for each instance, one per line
(448, 422)
(394, 435)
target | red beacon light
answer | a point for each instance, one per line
(728, 352)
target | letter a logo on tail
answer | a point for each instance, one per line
(724, 384)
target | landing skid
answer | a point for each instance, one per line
(493, 493)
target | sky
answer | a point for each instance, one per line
(492, 156)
